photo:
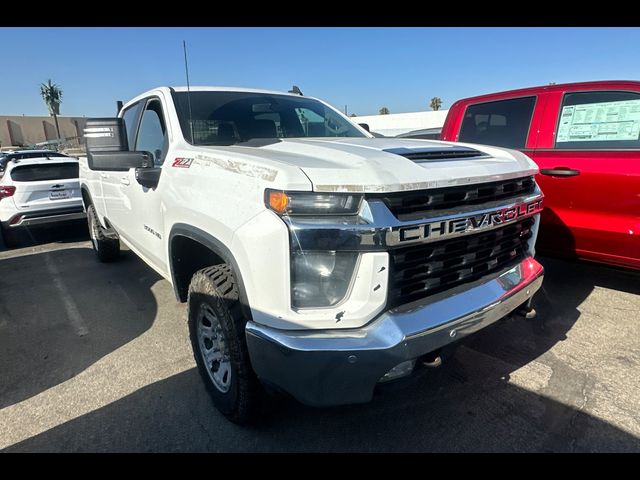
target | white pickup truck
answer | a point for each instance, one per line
(315, 259)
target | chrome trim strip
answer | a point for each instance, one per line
(461, 225)
(379, 229)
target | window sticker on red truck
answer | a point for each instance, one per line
(600, 121)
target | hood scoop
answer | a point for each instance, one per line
(259, 142)
(434, 155)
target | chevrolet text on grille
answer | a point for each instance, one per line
(440, 230)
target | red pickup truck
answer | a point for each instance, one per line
(585, 137)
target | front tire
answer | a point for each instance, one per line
(216, 329)
(107, 249)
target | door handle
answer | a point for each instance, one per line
(560, 172)
(104, 175)
(125, 181)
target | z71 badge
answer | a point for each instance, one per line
(182, 162)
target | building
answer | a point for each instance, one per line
(19, 131)
(396, 123)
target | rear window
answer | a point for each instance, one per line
(40, 173)
(26, 155)
(504, 123)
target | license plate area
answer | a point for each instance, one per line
(59, 194)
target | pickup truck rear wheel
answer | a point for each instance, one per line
(107, 249)
(216, 328)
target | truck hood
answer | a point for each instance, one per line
(390, 164)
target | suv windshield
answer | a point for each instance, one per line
(226, 118)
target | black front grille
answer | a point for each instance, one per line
(414, 205)
(422, 270)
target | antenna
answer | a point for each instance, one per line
(186, 69)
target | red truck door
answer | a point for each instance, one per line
(588, 151)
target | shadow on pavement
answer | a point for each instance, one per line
(66, 232)
(447, 412)
(61, 311)
(466, 405)
(566, 286)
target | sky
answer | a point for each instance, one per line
(362, 68)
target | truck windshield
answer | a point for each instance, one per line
(227, 118)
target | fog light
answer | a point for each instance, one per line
(401, 370)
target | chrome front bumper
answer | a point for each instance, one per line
(334, 367)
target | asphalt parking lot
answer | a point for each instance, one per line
(96, 358)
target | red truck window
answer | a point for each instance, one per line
(504, 123)
(599, 121)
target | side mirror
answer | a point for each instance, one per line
(365, 126)
(148, 177)
(119, 161)
(108, 149)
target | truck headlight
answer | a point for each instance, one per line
(320, 279)
(310, 203)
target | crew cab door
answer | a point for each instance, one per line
(589, 159)
(116, 211)
(142, 221)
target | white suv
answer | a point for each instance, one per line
(38, 191)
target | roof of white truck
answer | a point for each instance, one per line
(209, 89)
(232, 89)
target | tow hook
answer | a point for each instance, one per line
(526, 312)
(432, 360)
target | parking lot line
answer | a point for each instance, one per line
(70, 306)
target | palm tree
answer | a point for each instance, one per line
(384, 111)
(52, 96)
(436, 103)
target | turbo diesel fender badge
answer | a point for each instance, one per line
(441, 230)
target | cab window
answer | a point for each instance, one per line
(152, 134)
(130, 116)
(504, 123)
